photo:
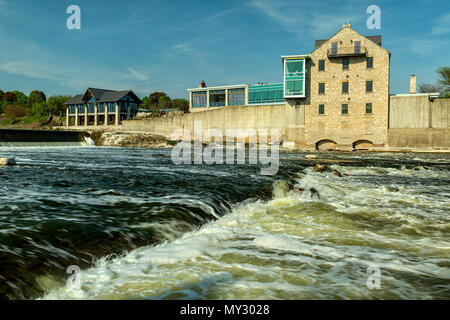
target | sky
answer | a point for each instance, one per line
(170, 45)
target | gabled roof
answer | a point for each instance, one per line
(375, 39)
(75, 99)
(102, 95)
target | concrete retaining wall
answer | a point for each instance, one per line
(290, 120)
(418, 112)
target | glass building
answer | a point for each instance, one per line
(292, 87)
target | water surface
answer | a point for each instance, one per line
(142, 228)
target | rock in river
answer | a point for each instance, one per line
(7, 162)
(324, 168)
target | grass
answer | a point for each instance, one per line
(33, 121)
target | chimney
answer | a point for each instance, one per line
(412, 85)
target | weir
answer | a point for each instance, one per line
(42, 138)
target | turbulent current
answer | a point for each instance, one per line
(139, 227)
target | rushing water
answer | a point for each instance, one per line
(140, 227)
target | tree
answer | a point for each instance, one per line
(36, 99)
(37, 96)
(428, 88)
(181, 104)
(55, 105)
(145, 103)
(154, 98)
(444, 77)
(164, 102)
(21, 98)
(1, 95)
(9, 97)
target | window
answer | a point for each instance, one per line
(369, 62)
(294, 76)
(345, 87)
(344, 109)
(357, 46)
(236, 97)
(334, 48)
(265, 93)
(217, 98)
(368, 108)
(321, 65)
(321, 88)
(321, 109)
(345, 64)
(369, 86)
(199, 99)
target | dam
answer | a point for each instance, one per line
(43, 138)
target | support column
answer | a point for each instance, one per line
(96, 115)
(190, 99)
(226, 97)
(67, 117)
(207, 99)
(77, 122)
(246, 95)
(86, 118)
(128, 113)
(106, 114)
(117, 114)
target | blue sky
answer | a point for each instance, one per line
(173, 45)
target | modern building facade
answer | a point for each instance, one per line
(341, 89)
(101, 107)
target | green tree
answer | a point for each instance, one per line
(164, 102)
(154, 99)
(21, 98)
(36, 100)
(181, 104)
(444, 77)
(145, 103)
(428, 88)
(1, 94)
(55, 105)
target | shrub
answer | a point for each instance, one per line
(15, 111)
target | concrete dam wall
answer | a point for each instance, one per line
(24, 138)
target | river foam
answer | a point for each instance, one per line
(298, 247)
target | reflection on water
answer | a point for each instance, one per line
(140, 227)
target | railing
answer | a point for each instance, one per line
(347, 51)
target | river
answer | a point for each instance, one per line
(140, 227)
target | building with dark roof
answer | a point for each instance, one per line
(101, 107)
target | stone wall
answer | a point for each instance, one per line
(333, 126)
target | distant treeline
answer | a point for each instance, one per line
(16, 104)
(160, 101)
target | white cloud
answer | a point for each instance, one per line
(183, 47)
(28, 69)
(307, 17)
(442, 25)
(136, 75)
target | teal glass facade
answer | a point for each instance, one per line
(265, 93)
(294, 77)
